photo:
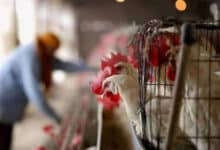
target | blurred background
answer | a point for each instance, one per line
(88, 29)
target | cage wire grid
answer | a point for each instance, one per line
(201, 95)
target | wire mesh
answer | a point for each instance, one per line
(157, 46)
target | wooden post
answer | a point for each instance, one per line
(186, 41)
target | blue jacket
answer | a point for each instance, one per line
(19, 83)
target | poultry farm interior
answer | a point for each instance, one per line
(154, 75)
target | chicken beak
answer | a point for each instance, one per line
(110, 85)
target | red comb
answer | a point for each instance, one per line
(96, 84)
(159, 47)
(114, 59)
(171, 72)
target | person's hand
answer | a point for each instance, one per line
(58, 120)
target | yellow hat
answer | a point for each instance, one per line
(49, 40)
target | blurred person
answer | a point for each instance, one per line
(26, 76)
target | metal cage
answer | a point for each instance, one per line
(179, 107)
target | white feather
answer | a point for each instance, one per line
(126, 84)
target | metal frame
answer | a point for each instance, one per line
(211, 29)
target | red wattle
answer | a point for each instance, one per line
(171, 73)
(109, 100)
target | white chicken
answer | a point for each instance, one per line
(126, 84)
(199, 122)
(199, 117)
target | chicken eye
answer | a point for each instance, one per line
(106, 85)
(119, 68)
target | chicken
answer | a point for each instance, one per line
(126, 84)
(109, 100)
(198, 117)
(199, 113)
(122, 78)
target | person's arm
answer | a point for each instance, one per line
(30, 81)
(68, 66)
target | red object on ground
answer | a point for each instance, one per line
(40, 148)
(48, 128)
